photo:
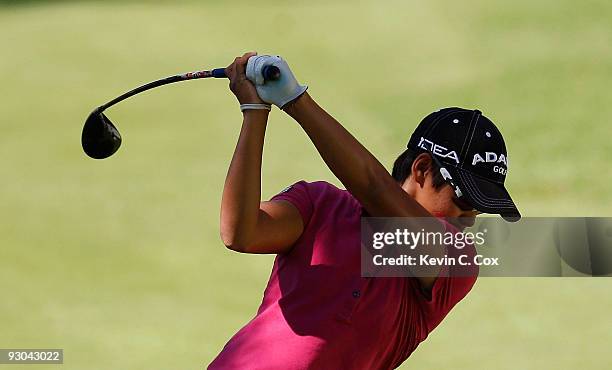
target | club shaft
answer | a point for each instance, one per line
(216, 73)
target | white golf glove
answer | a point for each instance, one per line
(278, 92)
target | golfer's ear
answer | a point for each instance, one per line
(421, 166)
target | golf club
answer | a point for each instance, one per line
(101, 139)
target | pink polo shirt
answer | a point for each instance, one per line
(319, 313)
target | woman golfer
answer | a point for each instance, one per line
(318, 312)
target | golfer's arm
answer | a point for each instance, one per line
(248, 225)
(359, 171)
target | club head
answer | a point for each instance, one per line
(100, 138)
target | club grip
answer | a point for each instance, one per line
(219, 73)
(270, 73)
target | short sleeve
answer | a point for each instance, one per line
(297, 194)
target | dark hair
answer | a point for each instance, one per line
(402, 168)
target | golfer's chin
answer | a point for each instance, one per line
(462, 223)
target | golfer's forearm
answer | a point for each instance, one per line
(242, 189)
(362, 174)
(354, 165)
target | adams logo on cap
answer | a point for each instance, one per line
(492, 157)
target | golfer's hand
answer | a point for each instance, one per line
(239, 84)
(278, 92)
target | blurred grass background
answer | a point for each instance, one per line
(119, 262)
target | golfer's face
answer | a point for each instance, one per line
(444, 202)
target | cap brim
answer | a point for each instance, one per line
(485, 195)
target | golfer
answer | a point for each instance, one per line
(318, 312)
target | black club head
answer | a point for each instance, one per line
(100, 138)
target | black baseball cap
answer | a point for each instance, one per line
(472, 157)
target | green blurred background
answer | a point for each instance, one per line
(119, 261)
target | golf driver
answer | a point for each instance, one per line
(101, 139)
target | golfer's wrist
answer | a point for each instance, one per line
(256, 113)
(298, 104)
